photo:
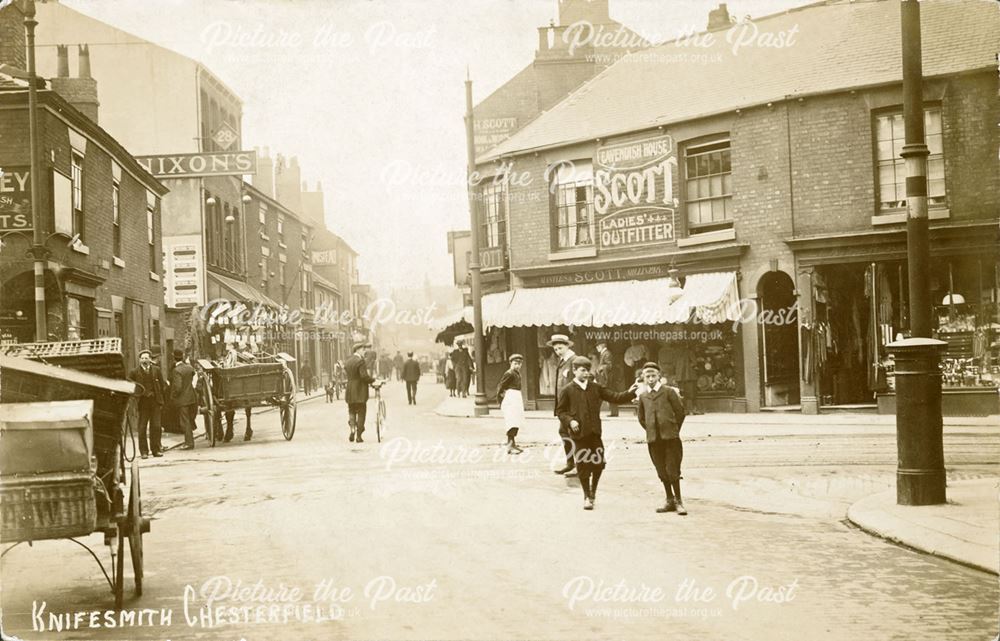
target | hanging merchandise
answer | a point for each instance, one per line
(493, 353)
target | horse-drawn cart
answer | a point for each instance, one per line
(262, 384)
(66, 470)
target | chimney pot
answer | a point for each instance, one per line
(84, 54)
(62, 66)
(543, 38)
(719, 18)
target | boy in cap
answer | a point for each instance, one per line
(579, 410)
(661, 412)
(511, 402)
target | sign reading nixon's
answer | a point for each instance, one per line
(634, 192)
(220, 163)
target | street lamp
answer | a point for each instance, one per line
(38, 251)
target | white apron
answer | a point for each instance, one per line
(512, 408)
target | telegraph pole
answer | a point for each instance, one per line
(38, 251)
(920, 476)
(481, 408)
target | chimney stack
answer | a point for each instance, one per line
(719, 18)
(288, 185)
(81, 91)
(263, 180)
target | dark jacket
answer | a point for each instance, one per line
(461, 358)
(585, 407)
(411, 371)
(152, 383)
(181, 386)
(564, 375)
(358, 380)
(509, 380)
(603, 370)
(662, 413)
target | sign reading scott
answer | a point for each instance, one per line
(634, 193)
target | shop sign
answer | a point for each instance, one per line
(222, 163)
(490, 132)
(641, 272)
(225, 136)
(15, 199)
(183, 271)
(634, 196)
(325, 257)
(491, 259)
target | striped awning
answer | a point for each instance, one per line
(708, 298)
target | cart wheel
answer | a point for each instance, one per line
(208, 409)
(137, 526)
(288, 410)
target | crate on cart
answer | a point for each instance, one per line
(101, 356)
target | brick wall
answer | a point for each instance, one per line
(12, 37)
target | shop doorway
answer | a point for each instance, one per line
(778, 327)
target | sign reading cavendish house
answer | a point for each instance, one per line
(218, 163)
(634, 193)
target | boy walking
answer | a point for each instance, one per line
(579, 411)
(661, 413)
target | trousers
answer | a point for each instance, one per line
(149, 426)
(356, 413)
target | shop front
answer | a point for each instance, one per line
(690, 329)
(859, 303)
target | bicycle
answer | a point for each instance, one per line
(379, 413)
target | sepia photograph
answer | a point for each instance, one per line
(499, 320)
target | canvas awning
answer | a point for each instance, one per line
(636, 302)
(707, 298)
(450, 318)
(239, 291)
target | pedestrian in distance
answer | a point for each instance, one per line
(563, 348)
(661, 413)
(330, 387)
(579, 409)
(450, 380)
(462, 360)
(183, 397)
(397, 364)
(306, 373)
(149, 377)
(511, 401)
(411, 376)
(358, 380)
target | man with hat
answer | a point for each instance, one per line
(661, 413)
(579, 411)
(356, 395)
(462, 359)
(511, 401)
(150, 378)
(410, 371)
(562, 346)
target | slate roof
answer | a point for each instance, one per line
(837, 45)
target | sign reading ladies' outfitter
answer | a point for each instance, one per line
(15, 199)
(634, 192)
(217, 163)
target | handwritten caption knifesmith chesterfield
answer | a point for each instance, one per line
(221, 601)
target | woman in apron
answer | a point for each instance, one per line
(511, 403)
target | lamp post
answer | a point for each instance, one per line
(481, 408)
(38, 251)
(920, 476)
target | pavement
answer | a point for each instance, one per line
(966, 529)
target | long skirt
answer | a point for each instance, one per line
(512, 408)
(449, 379)
(588, 452)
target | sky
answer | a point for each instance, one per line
(369, 95)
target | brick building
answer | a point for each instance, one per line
(769, 179)
(99, 215)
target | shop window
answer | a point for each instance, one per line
(889, 139)
(708, 186)
(80, 321)
(151, 237)
(116, 229)
(493, 215)
(76, 177)
(573, 206)
(262, 214)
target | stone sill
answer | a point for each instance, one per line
(895, 219)
(118, 262)
(569, 254)
(80, 248)
(154, 276)
(718, 236)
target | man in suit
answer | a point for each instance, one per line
(661, 413)
(397, 364)
(358, 380)
(563, 348)
(411, 375)
(605, 368)
(183, 397)
(579, 410)
(150, 404)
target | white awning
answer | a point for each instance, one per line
(707, 298)
(636, 302)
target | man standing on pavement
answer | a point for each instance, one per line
(183, 397)
(397, 364)
(358, 380)
(463, 367)
(603, 375)
(150, 404)
(562, 346)
(306, 373)
(411, 374)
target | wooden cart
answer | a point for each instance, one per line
(223, 389)
(106, 498)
